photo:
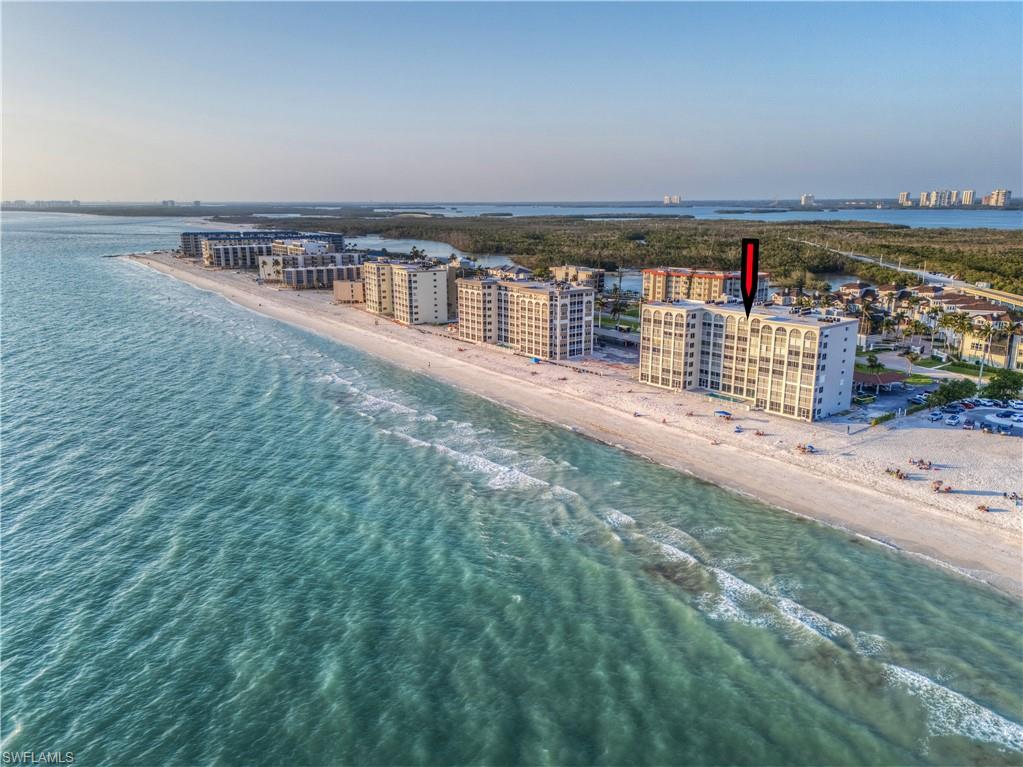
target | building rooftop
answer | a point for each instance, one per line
(761, 312)
(711, 274)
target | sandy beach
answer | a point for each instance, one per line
(844, 485)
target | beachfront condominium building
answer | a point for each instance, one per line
(319, 276)
(807, 200)
(549, 320)
(799, 366)
(349, 291)
(379, 287)
(191, 242)
(302, 256)
(924, 199)
(968, 195)
(300, 247)
(414, 293)
(235, 253)
(478, 310)
(696, 285)
(581, 275)
(420, 293)
(904, 200)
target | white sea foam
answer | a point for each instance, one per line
(501, 476)
(563, 492)
(617, 519)
(379, 403)
(870, 644)
(950, 713)
(676, 554)
(814, 621)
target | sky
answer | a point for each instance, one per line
(505, 102)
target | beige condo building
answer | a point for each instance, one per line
(582, 275)
(799, 366)
(542, 319)
(414, 293)
(696, 285)
(420, 293)
(379, 287)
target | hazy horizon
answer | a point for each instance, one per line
(398, 103)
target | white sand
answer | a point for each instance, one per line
(844, 485)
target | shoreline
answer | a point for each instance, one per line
(820, 488)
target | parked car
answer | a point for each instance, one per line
(937, 415)
(987, 402)
(969, 424)
(968, 405)
(1016, 404)
(1005, 430)
(1018, 417)
(918, 399)
(953, 409)
(1004, 414)
(987, 428)
(953, 420)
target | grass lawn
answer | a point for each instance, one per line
(928, 362)
(965, 369)
(863, 367)
(917, 379)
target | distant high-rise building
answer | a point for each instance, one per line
(667, 199)
(954, 199)
(923, 199)
(168, 203)
(904, 199)
(807, 200)
(967, 198)
(999, 198)
(196, 203)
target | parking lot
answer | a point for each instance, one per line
(1005, 421)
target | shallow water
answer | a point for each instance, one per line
(229, 541)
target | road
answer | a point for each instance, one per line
(896, 362)
(936, 279)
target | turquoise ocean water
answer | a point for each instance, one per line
(227, 541)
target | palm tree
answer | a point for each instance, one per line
(989, 335)
(958, 324)
(911, 358)
(874, 364)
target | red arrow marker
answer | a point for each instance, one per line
(750, 274)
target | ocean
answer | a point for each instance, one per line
(229, 541)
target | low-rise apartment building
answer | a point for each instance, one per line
(799, 366)
(301, 247)
(272, 267)
(697, 285)
(349, 292)
(236, 253)
(581, 275)
(191, 242)
(549, 320)
(319, 276)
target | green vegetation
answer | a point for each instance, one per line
(918, 379)
(881, 419)
(637, 243)
(1004, 384)
(952, 390)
